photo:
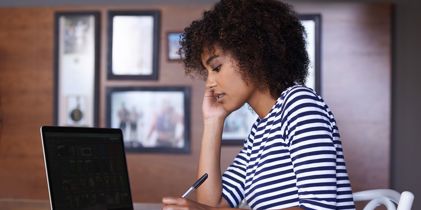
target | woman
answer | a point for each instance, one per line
(253, 51)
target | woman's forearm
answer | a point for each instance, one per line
(209, 162)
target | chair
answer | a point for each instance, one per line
(387, 197)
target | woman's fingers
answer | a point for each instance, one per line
(209, 93)
(171, 203)
(174, 207)
(172, 200)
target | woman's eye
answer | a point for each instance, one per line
(217, 69)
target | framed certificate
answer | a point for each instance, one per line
(76, 68)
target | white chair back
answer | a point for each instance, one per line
(392, 199)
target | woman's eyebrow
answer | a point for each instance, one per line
(210, 59)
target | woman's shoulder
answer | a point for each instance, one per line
(298, 89)
(300, 92)
(299, 99)
(296, 98)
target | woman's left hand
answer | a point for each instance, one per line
(182, 204)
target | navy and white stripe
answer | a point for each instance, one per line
(292, 157)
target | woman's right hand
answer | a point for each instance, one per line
(212, 110)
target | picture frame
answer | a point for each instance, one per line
(238, 124)
(133, 45)
(76, 68)
(153, 119)
(173, 46)
(312, 26)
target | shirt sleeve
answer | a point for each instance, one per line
(233, 179)
(310, 137)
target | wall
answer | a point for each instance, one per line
(406, 101)
(25, 93)
(356, 84)
(356, 69)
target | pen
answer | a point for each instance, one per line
(195, 185)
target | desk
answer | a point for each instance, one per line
(23, 204)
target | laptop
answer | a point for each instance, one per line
(86, 168)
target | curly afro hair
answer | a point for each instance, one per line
(265, 37)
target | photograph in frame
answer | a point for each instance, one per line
(238, 124)
(153, 119)
(133, 45)
(76, 69)
(173, 42)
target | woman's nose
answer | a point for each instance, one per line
(210, 82)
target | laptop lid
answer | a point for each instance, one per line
(86, 168)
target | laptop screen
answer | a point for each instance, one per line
(86, 168)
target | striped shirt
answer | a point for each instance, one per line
(292, 157)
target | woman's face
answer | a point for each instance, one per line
(225, 79)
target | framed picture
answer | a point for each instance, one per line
(133, 44)
(173, 42)
(153, 119)
(76, 65)
(312, 26)
(238, 124)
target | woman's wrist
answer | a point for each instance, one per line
(213, 121)
(212, 132)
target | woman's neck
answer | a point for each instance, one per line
(262, 102)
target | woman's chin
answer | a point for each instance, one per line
(231, 107)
